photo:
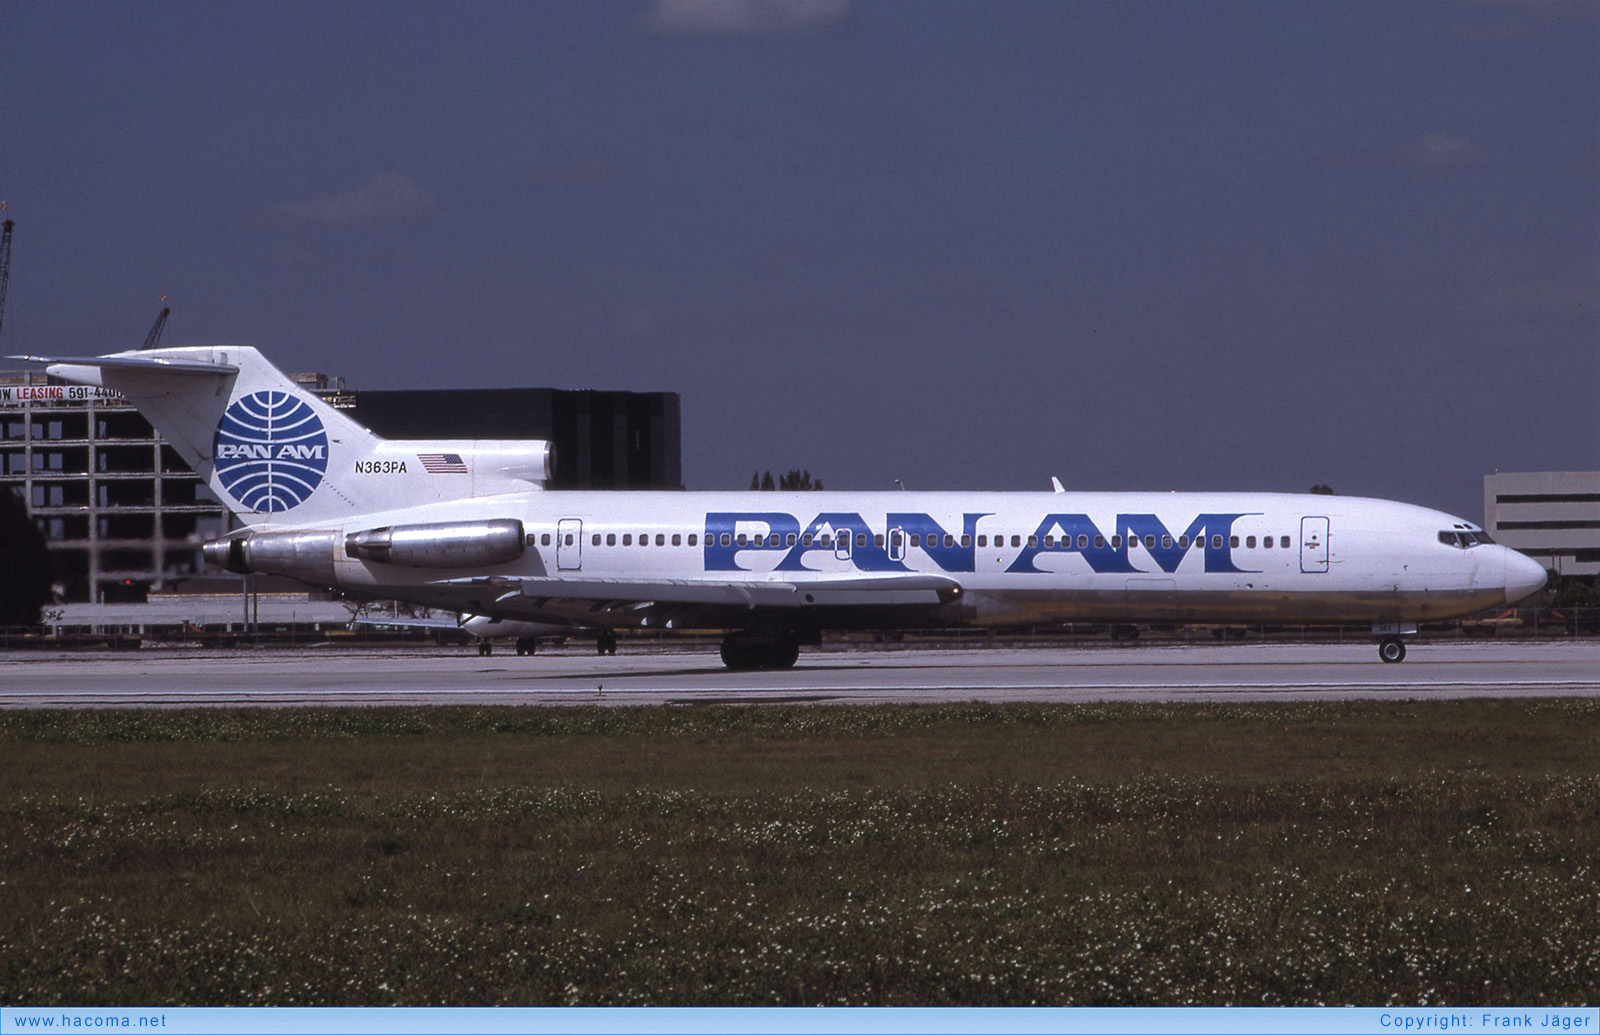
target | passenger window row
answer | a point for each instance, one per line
(897, 540)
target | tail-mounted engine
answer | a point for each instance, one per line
(446, 544)
(309, 556)
(303, 555)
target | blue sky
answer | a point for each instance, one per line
(966, 245)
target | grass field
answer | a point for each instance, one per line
(1368, 853)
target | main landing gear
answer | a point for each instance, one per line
(744, 652)
(527, 645)
(605, 643)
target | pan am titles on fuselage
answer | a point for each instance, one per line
(468, 526)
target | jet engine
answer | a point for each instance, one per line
(303, 555)
(308, 555)
(445, 544)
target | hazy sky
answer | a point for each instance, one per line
(966, 245)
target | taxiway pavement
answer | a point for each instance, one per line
(336, 676)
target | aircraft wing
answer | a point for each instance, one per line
(924, 590)
(386, 622)
(580, 597)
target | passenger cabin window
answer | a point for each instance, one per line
(627, 539)
(1249, 542)
(1266, 542)
(1283, 541)
(596, 541)
(677, 539)
(694, 539)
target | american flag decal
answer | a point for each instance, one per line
(442, 463)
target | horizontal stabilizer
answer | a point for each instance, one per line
(152, 364)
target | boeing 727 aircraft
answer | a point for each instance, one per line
(468, 526)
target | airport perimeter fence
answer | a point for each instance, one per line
(1540, 624)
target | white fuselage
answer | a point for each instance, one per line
(1018, 557)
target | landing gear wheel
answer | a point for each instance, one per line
(527, 645)
(1392, 650)
(485, 649)
(745, 655)
(605, 643)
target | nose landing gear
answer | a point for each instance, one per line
(1391, 648)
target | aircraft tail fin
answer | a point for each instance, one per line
(276, 453)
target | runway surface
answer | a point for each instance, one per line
(329, 675)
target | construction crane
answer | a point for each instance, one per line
(5, 260)
(153, 339)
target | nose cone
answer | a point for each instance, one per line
(1524, 576)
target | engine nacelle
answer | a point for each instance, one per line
(303, 555)
(531, 460)
(445, 544)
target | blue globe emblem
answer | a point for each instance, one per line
(270, 451)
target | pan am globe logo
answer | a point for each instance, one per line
(270, 451)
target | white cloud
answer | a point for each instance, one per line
(1445, 149)
(387, 195)
(746, 17)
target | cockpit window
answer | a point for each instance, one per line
(1464, 540)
